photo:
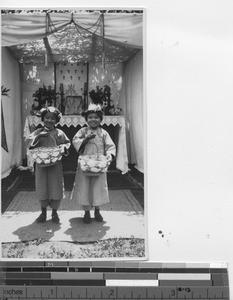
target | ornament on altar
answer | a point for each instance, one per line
(71, 90)
(102, 96)
(43, 97)
(97, 96)
(115, 111)
(35, 107)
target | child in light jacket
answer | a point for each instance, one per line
(92, 191)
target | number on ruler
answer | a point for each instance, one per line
(173, 292)
(111, 293)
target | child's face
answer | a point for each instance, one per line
(50, 120)
(93, 120)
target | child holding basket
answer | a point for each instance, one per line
(49, 178)
(92, 191)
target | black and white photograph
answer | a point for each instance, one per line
(73, 135)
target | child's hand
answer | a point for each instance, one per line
(43, 133)
(91, 136)
(63, 149)
(88, 138)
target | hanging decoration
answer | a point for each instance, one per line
(103, 50)
(82, 34)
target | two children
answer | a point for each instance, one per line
(88, 191)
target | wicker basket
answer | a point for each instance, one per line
(93, 165)
(47, 156)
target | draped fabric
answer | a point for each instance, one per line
(125, 29)
(3, 140)
(132, 101)
(11, 109)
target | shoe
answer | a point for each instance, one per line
(41, 219)
(87, 217)
(98, 216)
(55, 218)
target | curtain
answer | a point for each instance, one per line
(132, 101)
(22, 28)
(11, 110)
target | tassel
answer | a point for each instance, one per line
(103, 45)
(103, 60)
(46, 59)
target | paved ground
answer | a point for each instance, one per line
(123, 217)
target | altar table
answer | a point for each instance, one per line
(77, 120)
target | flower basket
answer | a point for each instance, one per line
(93, 165)
(46, 156)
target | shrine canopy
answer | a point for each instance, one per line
(72, 36)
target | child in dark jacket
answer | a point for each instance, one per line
(49, 179)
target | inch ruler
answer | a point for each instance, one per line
(112, 280)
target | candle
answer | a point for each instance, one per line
(61, 88)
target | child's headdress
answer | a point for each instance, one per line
(93, 108)
(51, 110)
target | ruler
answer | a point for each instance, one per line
(112, 280)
